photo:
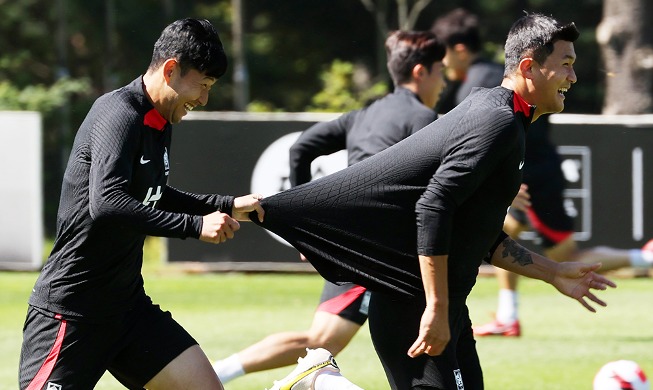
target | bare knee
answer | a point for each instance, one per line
(331, 332)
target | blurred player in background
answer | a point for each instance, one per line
(414, 61)
(554, 229)
(465, 66)
(88, 312)
(544, 183)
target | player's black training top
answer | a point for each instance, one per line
(363, 132)
(114, 193)
(443, 190)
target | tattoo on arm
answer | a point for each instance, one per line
(519, 253)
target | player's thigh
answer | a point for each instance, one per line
(394, 326)
(342, 311)
(158, 345)
(331, 331)
(190, 370)
(515, 223)
(348, 301)
(62, 352)
(565, 250)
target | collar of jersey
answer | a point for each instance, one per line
(154, 120)
(520, 105)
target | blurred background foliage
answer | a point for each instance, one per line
(58, 56)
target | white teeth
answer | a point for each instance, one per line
(563, 90)
(189, 107)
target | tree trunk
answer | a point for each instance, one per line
(240, 73)
(625, 36)
(407, 14)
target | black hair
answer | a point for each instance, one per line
(405, 49)
(195, 44)
(534, 35)
(459, 26)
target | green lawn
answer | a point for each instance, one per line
(562, 346)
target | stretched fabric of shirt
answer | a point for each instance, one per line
(442, 191)
(114, 193)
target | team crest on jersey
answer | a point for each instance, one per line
(53, 386)
(166, 161)
(459, 379)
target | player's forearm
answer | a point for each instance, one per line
(513, 257)
(434, 277)
(178, 201)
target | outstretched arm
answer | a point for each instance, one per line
(434, 332)
(573, 279)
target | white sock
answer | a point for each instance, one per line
(228, 369)
(333, 381)
(639, 259)
(507, 310)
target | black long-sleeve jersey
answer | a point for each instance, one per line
(114, 193)
(442, 191)
(363, 133)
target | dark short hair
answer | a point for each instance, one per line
(405, 49)
(534, 35)
(458, 26)
(195, 44)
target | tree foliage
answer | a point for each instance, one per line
(288, 43)
(44, 99)
(301, 54)
(342, 92)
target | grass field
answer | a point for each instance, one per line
(562, 347)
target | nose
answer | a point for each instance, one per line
(204, 98)
(572, 76)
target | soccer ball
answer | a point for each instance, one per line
(621, 375)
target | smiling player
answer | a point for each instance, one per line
(88, 312)
(414, 222)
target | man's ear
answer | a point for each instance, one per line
(169, 68)
(526, 67)
(418, 71)
(462, 53)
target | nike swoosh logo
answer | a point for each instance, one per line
(144, 161)
(521, 165)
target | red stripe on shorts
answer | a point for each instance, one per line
(46, 369)
(557, 236)
(337, 304)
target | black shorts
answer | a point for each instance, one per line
(348, 300)
(547, 215)
(75, 354)
(394, 327)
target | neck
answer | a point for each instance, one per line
(152, 89)
(423, 96)
(522, 90)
